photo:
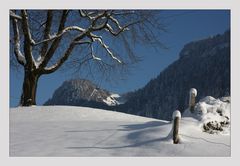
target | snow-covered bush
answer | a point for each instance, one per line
(214, 114)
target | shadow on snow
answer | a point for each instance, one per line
(139, 131)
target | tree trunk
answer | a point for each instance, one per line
(29, 89)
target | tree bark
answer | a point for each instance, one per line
(29, 89)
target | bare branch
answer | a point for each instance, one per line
(26, 28)
(109, 28)
(115, 21)
(120, 13)
(93, 55)
(100, 26)
(14, 15)
(56, 42)
(100, 40)
(82, 13)
(92, 16)
(28, 41)
(112, 22)
(56, 31)
(85, 14)
(121, 29)
(48, 70)
(47, 32)
(96, 18)
(19, 56)
(83, 42)
(67, 29)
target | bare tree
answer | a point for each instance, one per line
(42, 41)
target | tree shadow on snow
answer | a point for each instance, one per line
(150, 124)
(140, 136)
(85, 131)
(138, 144)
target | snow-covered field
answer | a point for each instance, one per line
(81, 131)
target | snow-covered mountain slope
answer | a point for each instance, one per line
(112, 100)
(82, 131)
(202, 64)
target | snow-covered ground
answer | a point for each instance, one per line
(81, 131)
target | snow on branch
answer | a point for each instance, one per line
(48, 24)
(121, 13)
(85, 14)
(65, 56)
(100, 15)
(93, 16)
(115, 21)
(100, 20)
(20, 58)
(65, 30)
(26, 28)
(120, 28)
(82, 13)
(92, 54)
(100, 26)
(106, 47)
(116, 33)
(14, 15)
(50, 52)
(82, 42)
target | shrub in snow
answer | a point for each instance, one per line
(214, 114)
(214, 126)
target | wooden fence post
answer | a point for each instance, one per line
(176, 120)
(192, 99)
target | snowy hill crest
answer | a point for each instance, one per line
(80, 131)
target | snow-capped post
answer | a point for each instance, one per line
(192, 98)
(176, 116)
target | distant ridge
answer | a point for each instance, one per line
(203, 64)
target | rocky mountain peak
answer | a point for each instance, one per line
(81, 92)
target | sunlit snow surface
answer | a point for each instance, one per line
(81, 131)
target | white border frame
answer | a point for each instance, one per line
(233, 5)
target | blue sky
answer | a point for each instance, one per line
(183, 26)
